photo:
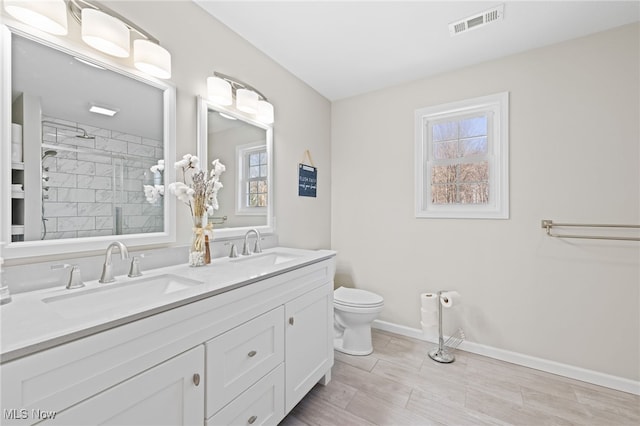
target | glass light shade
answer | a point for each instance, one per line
(152, 58)
(247, 101)
(265, 112)
(105, 33)
(47, 15)
(219, 91)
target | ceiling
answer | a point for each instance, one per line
(345, 48)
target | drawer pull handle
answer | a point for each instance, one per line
(252, 419)
(196, 379)
(291, 320)
(252, 354)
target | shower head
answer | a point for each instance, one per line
(85, 136)
(76, 129)
(49, 153)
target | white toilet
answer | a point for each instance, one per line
(354, 310)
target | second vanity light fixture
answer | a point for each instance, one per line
(221, 90)
(102, 29)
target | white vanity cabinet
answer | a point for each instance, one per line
(171, 393)
(243, 355)
(309, 343)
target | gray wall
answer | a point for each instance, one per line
(199, 44)
(574, 157)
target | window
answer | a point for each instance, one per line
(253, 185)
(462, 159)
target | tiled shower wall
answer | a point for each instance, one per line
(93, 177)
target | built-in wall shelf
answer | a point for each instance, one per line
(17, 202)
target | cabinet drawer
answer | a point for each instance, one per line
(238, 358)
(261, 404)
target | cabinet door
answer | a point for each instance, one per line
(171, 393)
(308, 342)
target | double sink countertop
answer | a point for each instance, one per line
(39, 320)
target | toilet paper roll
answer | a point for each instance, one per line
(16, 133)
(430, 333)
(429, 302)
(450, 298)
(429, 319)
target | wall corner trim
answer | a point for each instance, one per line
(565, 370)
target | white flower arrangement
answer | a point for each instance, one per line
(198, 190)
(153, 192)
(158, 168)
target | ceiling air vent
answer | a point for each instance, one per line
(478, 20)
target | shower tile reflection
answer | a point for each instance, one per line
(86, 187)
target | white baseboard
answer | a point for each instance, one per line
(566, 370)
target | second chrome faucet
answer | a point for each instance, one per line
(107, 268)
(256, 248)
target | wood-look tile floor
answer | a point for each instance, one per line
(400, 385)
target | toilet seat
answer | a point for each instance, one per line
(356, 298)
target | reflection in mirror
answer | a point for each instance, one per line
(78, 174)
(244, 146)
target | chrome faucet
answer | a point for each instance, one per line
(134, 269)
(75, 280)
(107, 269)
(256, 248)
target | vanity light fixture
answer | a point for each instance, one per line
(265, 112)
(103, 110)
(222, 88)
(247, 101)
(47, 15)
(219, 91)
(102, 28)
(152, 58)
(105, 33)
(109, 32)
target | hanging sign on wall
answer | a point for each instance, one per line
(307, 177)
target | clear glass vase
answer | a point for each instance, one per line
(198, 249)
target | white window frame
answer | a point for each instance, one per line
(241, 153)
(496, 107)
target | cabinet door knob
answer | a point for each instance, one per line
(252, 354)
(252, 419)
(291, 320)
(196, 379)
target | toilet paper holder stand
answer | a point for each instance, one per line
(441, 354)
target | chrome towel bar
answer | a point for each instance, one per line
(218, 220)
(548, 224)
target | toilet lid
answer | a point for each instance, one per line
(356, 297)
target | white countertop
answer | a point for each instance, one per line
(29, 325)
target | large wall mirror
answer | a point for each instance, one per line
(244, 146)
(72, 176)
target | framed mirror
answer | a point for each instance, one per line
(74, 175)
(245, 147)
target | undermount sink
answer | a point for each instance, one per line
(119, 295)
(266, 259)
